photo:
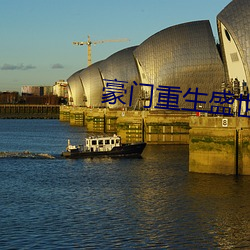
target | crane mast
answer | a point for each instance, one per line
(89, 43)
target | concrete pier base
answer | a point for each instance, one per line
(132, 126)
(94, 120)
(64, 114)
(219, 145)
(167, 129)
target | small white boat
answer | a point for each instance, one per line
(96, 146)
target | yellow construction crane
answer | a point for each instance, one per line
(89, 43)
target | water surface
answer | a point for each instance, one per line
(148, 203)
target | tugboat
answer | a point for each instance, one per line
(96, 146)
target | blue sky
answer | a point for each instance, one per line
(36, 35)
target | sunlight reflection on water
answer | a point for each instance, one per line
(151, 202)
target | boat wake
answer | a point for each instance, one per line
(26, 154)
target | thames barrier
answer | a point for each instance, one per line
(133, 126)
(155, 91)
(217, 145)
(142, 92)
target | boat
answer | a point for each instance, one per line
(103, 146)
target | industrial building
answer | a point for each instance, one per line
(9, 97)
(37, 90)
(60, 89)
(179, 59)
(38, 95)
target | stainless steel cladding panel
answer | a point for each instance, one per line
(77, 95)
(122, 66)
(183, 56)
(93, 85)
(235, 17)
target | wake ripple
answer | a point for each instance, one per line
(26, 154)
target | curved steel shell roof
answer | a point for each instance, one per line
(93, 85)
(76, 90)
(184, 56)
(236, 18)
(121, 66)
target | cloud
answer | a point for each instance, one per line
(21, 66)
(27, 67)
(57, 66)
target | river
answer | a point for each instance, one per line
(48, 202)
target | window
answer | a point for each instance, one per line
(107, 142)
(227, 35)
(94, 142)
(100, 142)
(112, 141)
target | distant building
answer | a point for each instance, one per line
(9, 97)
(37, 90)
(40, 100)
(60, 89)
(38, 95)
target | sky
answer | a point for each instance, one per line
(36, 35)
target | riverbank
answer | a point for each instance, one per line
(25, 111)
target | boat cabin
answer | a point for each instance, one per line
(102, 143)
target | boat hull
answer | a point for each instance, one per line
(126, 150)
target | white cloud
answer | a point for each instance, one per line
(21, 66)
(57, 66)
